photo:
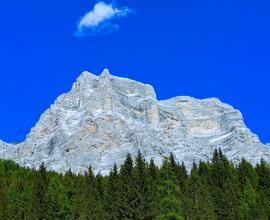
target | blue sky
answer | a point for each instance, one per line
(197, 48)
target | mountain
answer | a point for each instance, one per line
(104, 117)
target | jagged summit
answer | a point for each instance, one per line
(105, 73)
(90, 82)
(104, 117)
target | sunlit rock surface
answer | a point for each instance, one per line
(104, 117)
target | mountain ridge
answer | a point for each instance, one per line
(104, 117)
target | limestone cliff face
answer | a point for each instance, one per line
(104, 117)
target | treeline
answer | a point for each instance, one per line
(139, 190)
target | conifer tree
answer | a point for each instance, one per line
(152, 170)
(52, 200)
(169, 193)
(40, 190)
(77, 196)
(98, 194)
(16, 195)
(75, 192)
(249, 203)
(142, 189)
(180, 172)
(246, 172)
(172, 161)
(263, 172)
(127, 196)
(62, 197)
(181, 180)
(204, 170)
(3, 199)
(224, 185)
(88, 205)
(152, 194)
(200, 204)
(28, 193)
(112, 197)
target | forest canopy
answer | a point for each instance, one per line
(139, 190)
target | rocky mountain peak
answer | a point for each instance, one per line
(105, 74)
(104, 117)
(84, 82)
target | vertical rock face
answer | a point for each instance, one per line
(104, 117)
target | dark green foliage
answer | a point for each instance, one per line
(198, 198)
(93, 197)
(152, 195)
(249, 202)
(246, 172)
(3, 197)
(112, 202)
(224, 185)
(127, 192)
(169, 191)
(263, 172)
(52, 200)
(139, 190)
(248, 182)
(142, 189)
(39, 193)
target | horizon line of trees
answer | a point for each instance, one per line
(139, 190)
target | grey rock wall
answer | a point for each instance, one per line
(104, 117)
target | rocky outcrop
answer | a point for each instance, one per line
(104, 117)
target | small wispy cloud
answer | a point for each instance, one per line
(99, 19)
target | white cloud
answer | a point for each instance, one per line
(99, 19)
